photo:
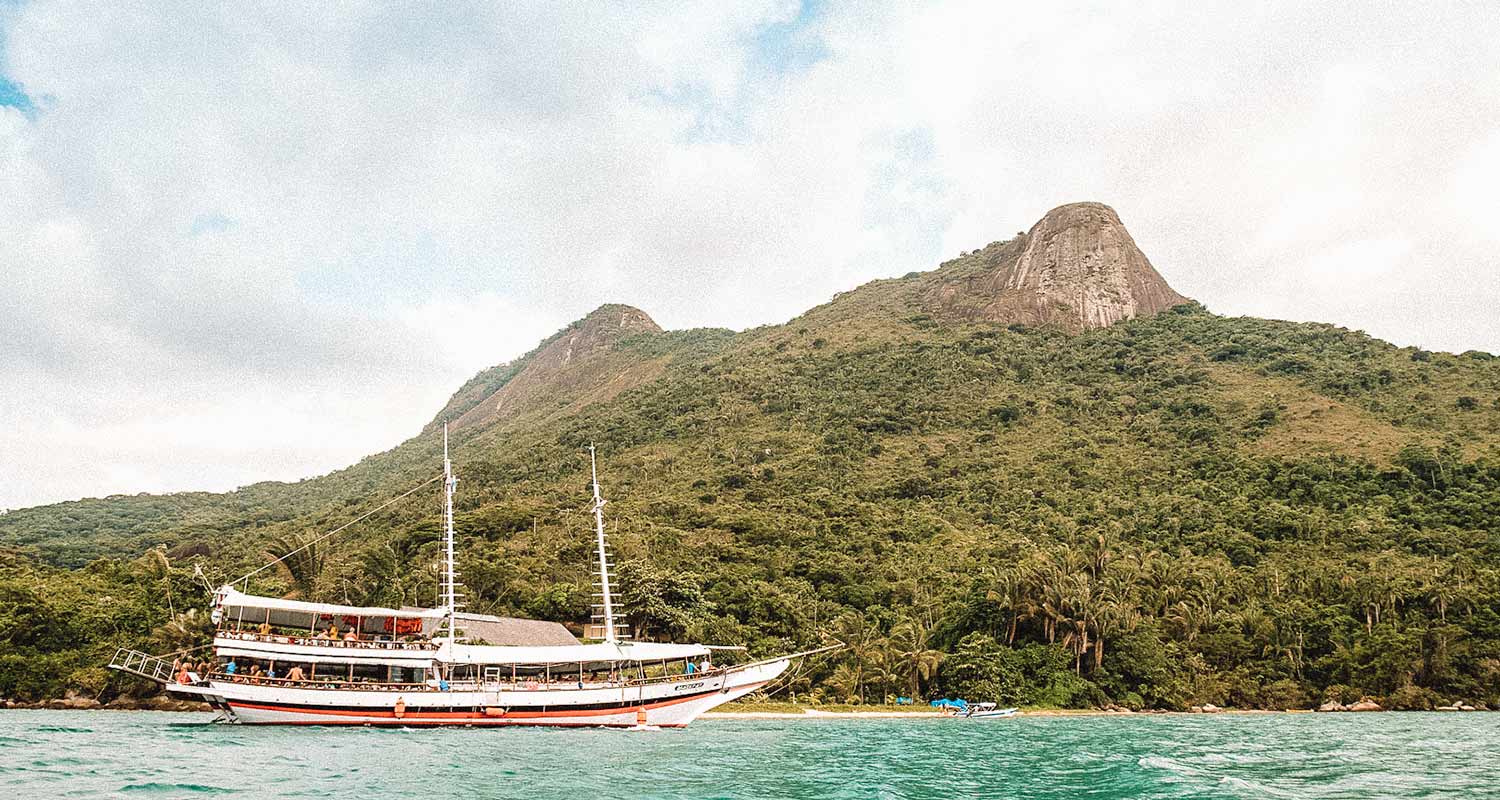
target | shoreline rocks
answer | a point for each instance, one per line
(73, 702)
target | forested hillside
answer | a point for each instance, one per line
(1172, 509)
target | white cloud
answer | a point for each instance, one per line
(239, 245)
(1474, 193)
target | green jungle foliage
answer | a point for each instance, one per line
(1172, 511)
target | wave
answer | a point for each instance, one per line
(173, 789)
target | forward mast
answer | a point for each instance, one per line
(606, 612)
(451, 585)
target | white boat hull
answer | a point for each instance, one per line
(667, 704)
(997, 714)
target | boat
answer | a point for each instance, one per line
(280, 661)
(989, 711)
(963, 709)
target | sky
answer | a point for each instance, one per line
(241, 244)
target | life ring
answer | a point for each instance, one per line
(400, 707)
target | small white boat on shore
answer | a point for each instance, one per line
(990, 711)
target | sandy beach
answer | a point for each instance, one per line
(814, 713)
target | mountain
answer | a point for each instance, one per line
(1035, 460)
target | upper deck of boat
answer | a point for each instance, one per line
(369, 643)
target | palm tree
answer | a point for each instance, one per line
(1100, 550)
(1191, 619)
(160, 567)
(918, 661)
(848, 680)
(1008, 590)
(299, 562)
(1078, 603)
(391, 579)
(884, 670)
(185, 631)
(1167, 577)
(1117, 613)
(860, 641)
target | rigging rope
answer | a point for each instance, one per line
(247, 576)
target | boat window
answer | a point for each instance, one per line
(369, 672)
(462, 672)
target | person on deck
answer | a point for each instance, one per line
(690, 668)
(351, 636)
(231, 668)
(295, 674)
(706, 666)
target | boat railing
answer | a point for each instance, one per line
(313, 641)
(143, 664)
(341, 684)
(539, 685)
(681, 676)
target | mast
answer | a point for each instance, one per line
(607, 597)
(450, 572)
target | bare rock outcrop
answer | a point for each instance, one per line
(1077, 268)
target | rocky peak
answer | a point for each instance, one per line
(599, 330)
(1077, 267)
(569, 360)
(607, 324)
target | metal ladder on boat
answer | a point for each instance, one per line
(143, 664)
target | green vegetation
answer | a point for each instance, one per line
(1172, 511)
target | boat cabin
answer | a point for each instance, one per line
(278, 641)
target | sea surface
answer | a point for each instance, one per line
(45, 754)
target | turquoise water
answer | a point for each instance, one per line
(149, 755)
